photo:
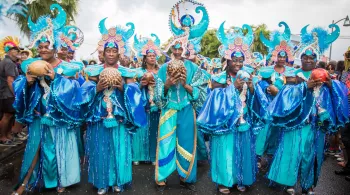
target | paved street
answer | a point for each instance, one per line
(143, 183)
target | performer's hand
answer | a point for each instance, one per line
(50, 72)
(93, 79)
(119, 86)
(329, 81)
(144, 82)
(272, 90)
(250, 84)
(313, 83)
(151, 83)
(238, 84)
(101, 85)
(182, 79)
(172, 80)
(30, 79)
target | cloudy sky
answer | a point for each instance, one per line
(151, 16)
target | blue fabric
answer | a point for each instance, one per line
(108, 153)
(180, 131)
(303, 118)
(32, 146)
(232, 142)
(233, 159)
(80, 79)
(27, 99)
(186, 139)
(135, 105)
(220, 78)
(63, 99)
(220, 111)
(166, 160)
(109, 149)
(340, 103)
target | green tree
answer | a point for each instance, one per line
(210, 44)
(42, 7)
(257, 45)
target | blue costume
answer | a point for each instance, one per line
(51, 109)
(177, 133)
(304, 115)
(225, 116)
(279, 45)
(111, 117)
(145, 139)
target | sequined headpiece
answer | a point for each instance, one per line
(316, 42)
(186, 33)
(279, 43)
(46, 29)
(71, 37)
(116, 37)
(144, 45)
(235, 43)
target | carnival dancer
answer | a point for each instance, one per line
(177, 91)
(111, 113)
(273, 79)
(49, 103)
(226, 114)
(144, 143)
(304, 110)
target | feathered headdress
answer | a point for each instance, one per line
(7, 43)
(316, 42)
(186, 33)
(236, 43)
(71, 37)
(144, 45)
(8, 8)
(279, 43)
(116, 37)
(46, 29)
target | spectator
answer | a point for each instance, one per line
(25, 54)
(101, 57)
(321, 64)
(345, 132)
(347, 59)
(331, 66)
(8, 73)
(92, 62)
(63, 53)
(340, 69)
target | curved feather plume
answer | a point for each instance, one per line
(303, 31)
(131, 31)
(220, 34)
(156, 39)
(265, 41)
(102, 26)
(249, 37)
(136, 41)
(286, 34)
(334, 35)
(199, 29)
(175, 30)
(61, 17)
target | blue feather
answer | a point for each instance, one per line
(18, 8)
